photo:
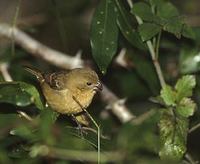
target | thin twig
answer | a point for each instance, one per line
(97, 126)
(190, 159)
(4, 71)
(94, 131)
(116, 105)
(120, 59)
(151, 51)
(24, 115)
(194, 128)
(140, 119)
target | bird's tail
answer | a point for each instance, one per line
(35, 72)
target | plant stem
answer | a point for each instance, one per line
(158, 45)
(194, 128)
(151, 51)
(98, 129)
(13, 25)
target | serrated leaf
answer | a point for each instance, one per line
(123, 21)
(149, 30)
(184, 87)
(173, 135)
(188, 32)
(168, 95)
(20, 94)
(174, 25)
(186, 107)
(167, 10)
(104, 34)
(143, 10)
(170, 19)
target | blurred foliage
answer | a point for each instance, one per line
(39, 135)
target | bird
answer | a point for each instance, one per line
(69, 92)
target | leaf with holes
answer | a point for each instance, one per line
(173, 135)
(104, 34)
(186, 107)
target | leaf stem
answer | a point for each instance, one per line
(151, 51)
(158, 44)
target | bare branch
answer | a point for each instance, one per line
(64, 61)
(4, 71)
(78, 155)
(116, 105)
(39, 50)
(120, 59)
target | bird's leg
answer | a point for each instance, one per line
(97, 126)
(79, 126)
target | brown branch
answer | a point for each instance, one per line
(39, 50)
(116, 105)
(65, 61)
(4, 71)
(77, 155)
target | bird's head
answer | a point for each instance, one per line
(83, 80)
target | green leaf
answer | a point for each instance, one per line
(149, 30)
(188, 32)
(31, 90)
(146, 71)
(186, 107)
(170, 19)
(167, 10)
(123, 21)
(23, 131)
(168, 95)
(104, 34)
(174, 25)
(144, 11)
(184, 87)
(20, 94)
(173, 135)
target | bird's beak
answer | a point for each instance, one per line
(98, 86)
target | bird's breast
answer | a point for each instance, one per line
(63, 101)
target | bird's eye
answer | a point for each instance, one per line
(88, 83)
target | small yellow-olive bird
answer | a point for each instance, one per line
(69, 92)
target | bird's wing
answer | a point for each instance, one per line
(56, 80)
